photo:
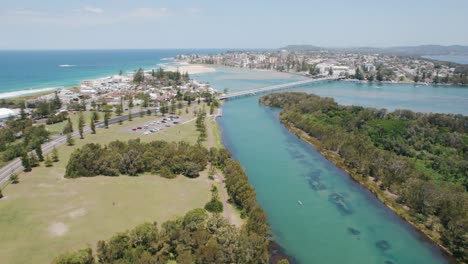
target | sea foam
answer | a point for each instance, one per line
(26, 92)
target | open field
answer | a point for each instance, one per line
(58, 127)
(45, 214)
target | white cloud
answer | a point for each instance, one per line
(92, 9)
(149, 13)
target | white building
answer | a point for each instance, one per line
(7, 113)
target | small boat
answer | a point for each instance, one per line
(299, 202)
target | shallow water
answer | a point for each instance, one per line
(338, 221)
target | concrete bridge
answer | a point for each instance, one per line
(273, 88)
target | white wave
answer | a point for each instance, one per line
(66, 65)
(26, 92)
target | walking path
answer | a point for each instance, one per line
(228, 209)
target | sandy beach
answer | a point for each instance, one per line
(191, 68)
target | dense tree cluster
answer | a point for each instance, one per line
(134, 157)
(420, 157)
(196, 237)
(57, 118)
(32, 136)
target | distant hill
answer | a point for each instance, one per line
(404, 50)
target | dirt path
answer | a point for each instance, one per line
(219, 177)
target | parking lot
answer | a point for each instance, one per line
(157, 124)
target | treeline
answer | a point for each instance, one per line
(420, 157)
(57, 118)
(195, 238)
(134, 157)
(19, 137)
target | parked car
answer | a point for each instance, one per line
(138, 127)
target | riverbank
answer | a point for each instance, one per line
(402, 82)
(387, 198)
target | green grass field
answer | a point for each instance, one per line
(45, 214)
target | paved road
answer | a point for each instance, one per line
(15, 165)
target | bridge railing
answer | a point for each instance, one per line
(273, 87)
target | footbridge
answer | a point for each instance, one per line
(273, 88)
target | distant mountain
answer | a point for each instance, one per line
(408, 50)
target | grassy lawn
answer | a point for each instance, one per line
(58, 127)
(45, 215)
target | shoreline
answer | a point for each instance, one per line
(33, 92)
(399, 210)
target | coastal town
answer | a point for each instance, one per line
(151, 88)
(355, 66)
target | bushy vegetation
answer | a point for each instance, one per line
(194, 238)
(57, 118)
(11, 145)
(134, 157)
(423, 158)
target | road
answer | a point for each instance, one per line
(15, 165)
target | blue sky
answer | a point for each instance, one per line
(118, 24)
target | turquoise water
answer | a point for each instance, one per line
(281, 168)
(24, 70)
(235, 79)
(422, 98)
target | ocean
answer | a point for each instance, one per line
(462, 59)
(24, 72)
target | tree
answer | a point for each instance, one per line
(68, 127)
(70, 140)
(33, 159)
(22, 112)
(82, 256)
(163, 109)
(92, 125)
(130, 101)
(81, 124)
(212, 109)
(379, 75)
(173, 106)
(55, 157)
(1, 194)
(14, 178)
(38, 150)
(139, 76)
(120, 121)
(119, 109)
(129, 115)
(106, 119)
(330, 71)
(48, 161)
(57, 103)
(95, 116)
(358, 75)
(214, 205)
